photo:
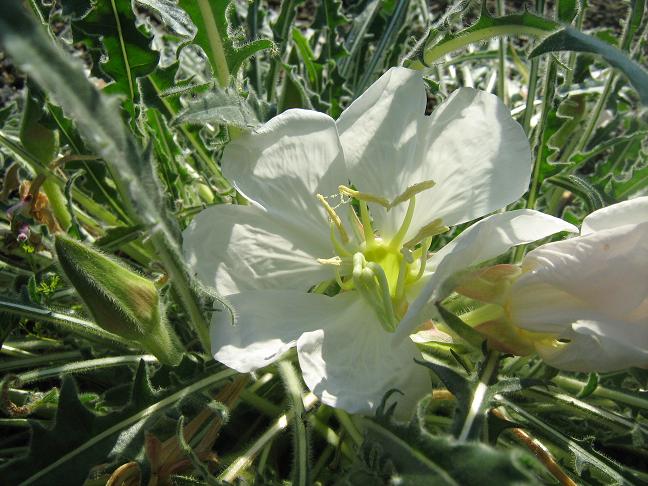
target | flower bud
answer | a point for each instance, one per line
(119, 300)
(489, 284)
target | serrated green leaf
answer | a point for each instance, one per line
(570, 39)
(175, 18)
(633, 182)
(219, 106)
(126, 51)
(313, 69)
(81, 439)
(583, 453)
(76, 8)
(419, 458)
(439, 43)
(567, 10)
(293, 93)
(75, 424)
(213, 35)
(35, 135)
(96, 118)
(460, 328)
(388, 38)
(460, 386)
(96, 181)
(355, 39)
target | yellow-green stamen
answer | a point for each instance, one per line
(334, 218)
(364, 196)
(402, 231)
(412, 191)
(434, 228)
(378, 269)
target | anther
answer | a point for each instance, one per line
(337, 261)
(412, 191)
(364, 196)
(432, 229)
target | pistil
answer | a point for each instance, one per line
(366, 224)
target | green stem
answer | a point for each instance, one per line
(574, 405)
(38, 360)
(215, 43)
(266, 407)
(488, 373)
(301, 466)
(180, 282)
(571, 60)
(245, 460)
(81, 327)
(91, 206)
(612, 77)
(15, 352)
(533, 81)
(348, 425)
(547, 102)
(501, 71)
(565, 442)
(574, 386)
(596, 113)
(549, 90)
(83, 366)
(531, 94)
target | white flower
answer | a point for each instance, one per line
(410, 175)
(590, 293)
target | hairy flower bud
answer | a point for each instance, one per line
(119, 300)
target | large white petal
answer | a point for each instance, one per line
(282, 165)
(352, 362)
(379, 131)
(235, 248)
(268, 323)
(484, 240)
(478, 156)
(634, 211)
(538, 306)
(606, 270)
(592, 347)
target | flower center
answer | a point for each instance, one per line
(379, 270)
